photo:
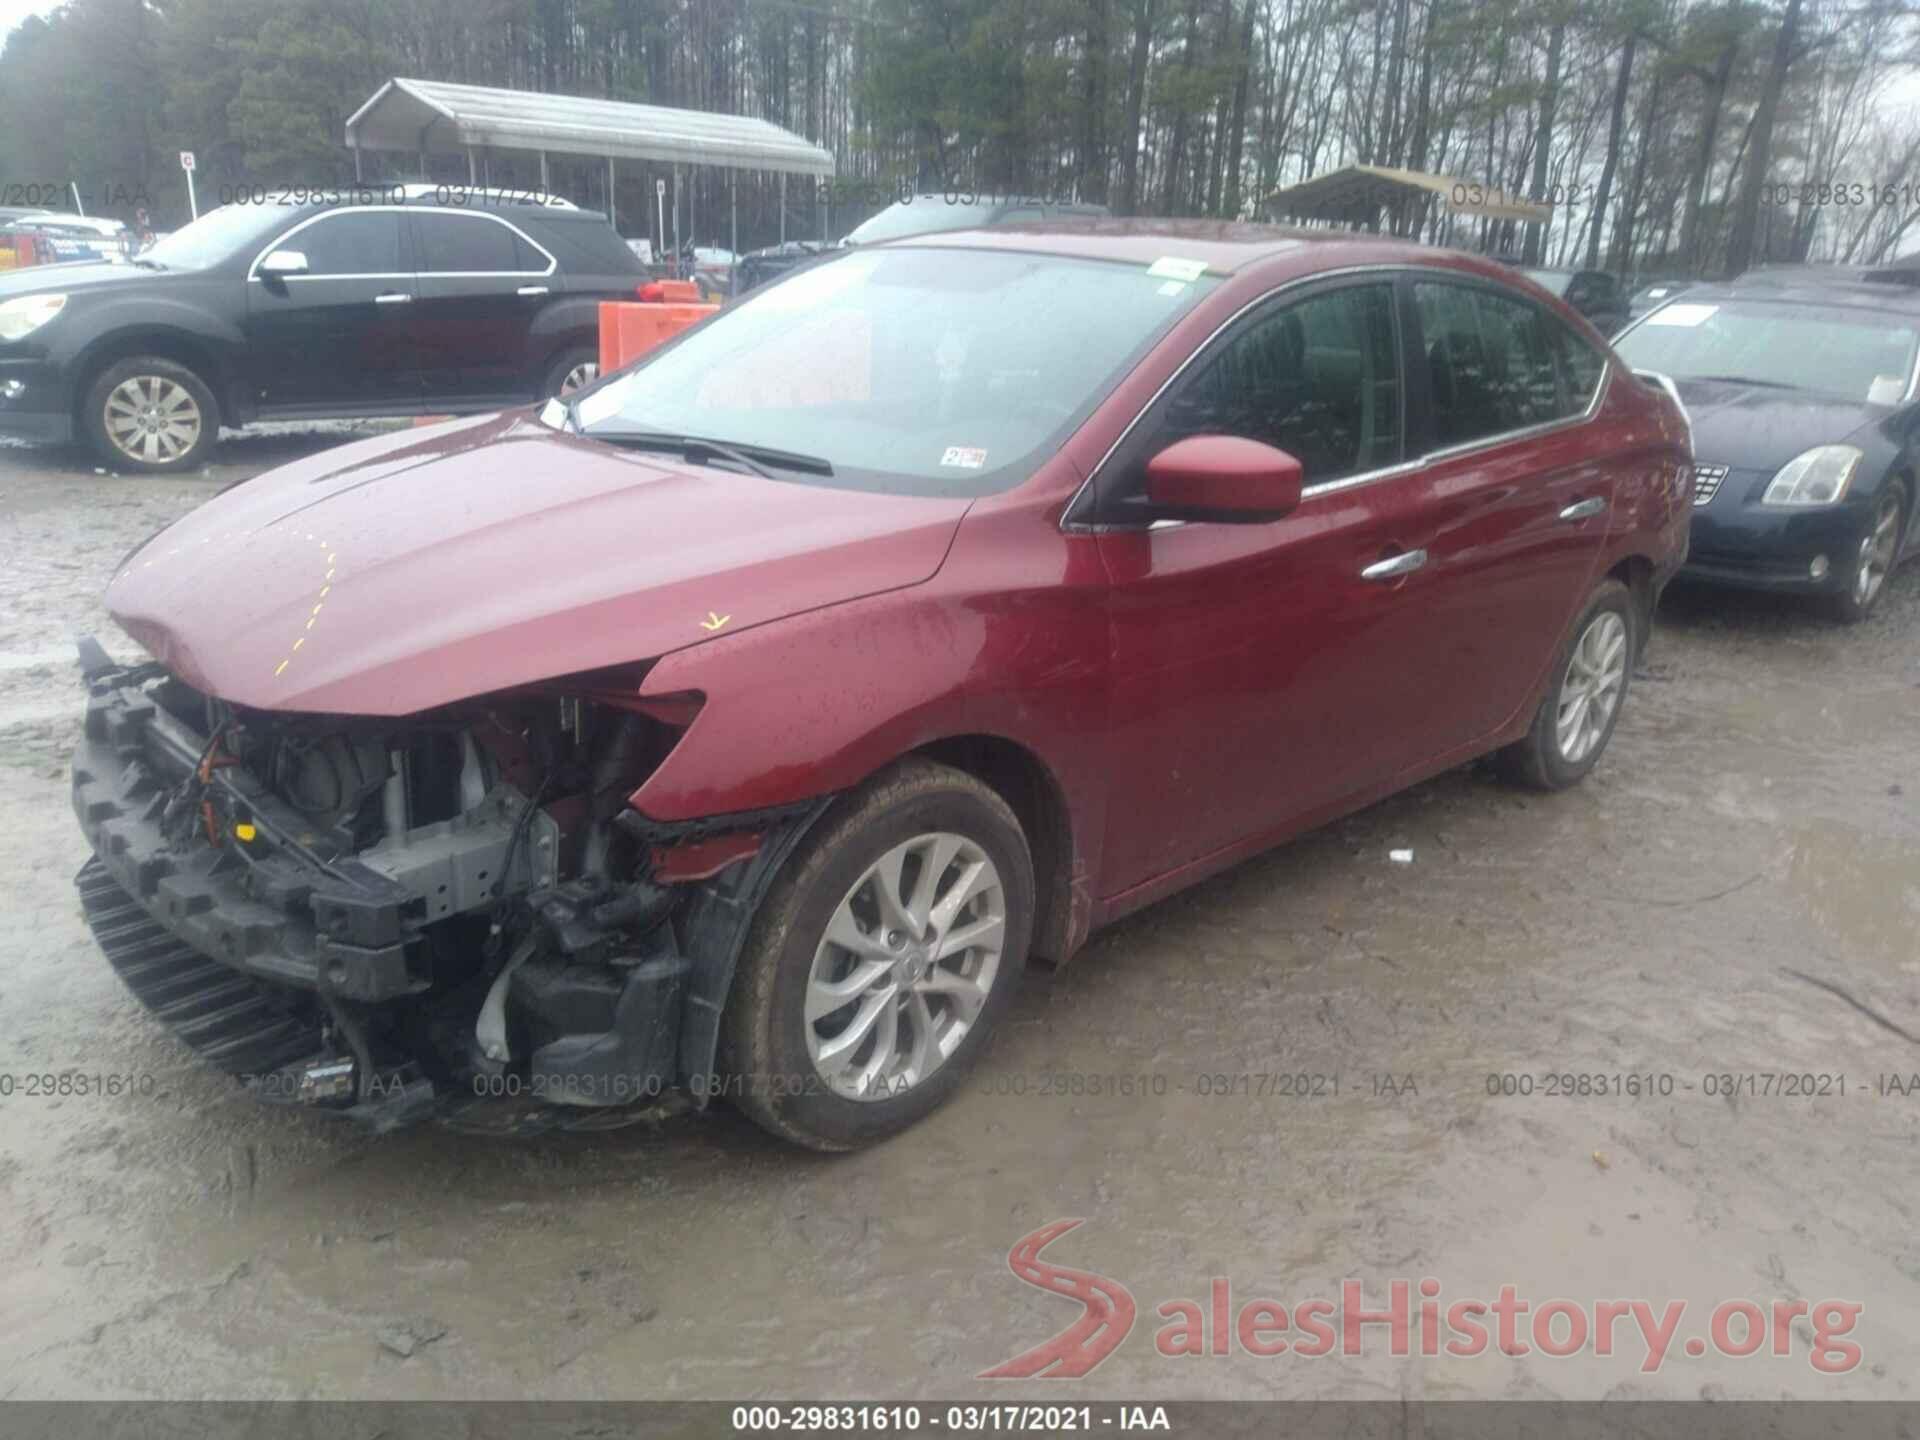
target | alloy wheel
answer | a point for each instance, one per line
(905, 966)
(1876, 553)
(1596, 674)
(152, 419)
(585, 373)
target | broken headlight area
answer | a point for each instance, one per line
(395, 916)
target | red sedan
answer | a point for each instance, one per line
(742, 725)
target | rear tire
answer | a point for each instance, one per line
(835, 1045)
(152, 415)
(1575, 721)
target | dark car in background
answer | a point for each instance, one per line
(1800, 386)
(1598, 296)
(927, 214)
(400, 306)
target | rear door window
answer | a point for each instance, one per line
(1318, 378)
(1497, 363)
(473, 245)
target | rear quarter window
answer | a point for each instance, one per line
(585, 245)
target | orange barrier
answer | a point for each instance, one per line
(23, 248)
(629, 330)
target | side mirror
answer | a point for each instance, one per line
(1223, 478)
(284, 262)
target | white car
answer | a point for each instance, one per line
(80, 237)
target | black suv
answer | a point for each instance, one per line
(408, 301)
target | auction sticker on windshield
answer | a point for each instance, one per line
(1685, 316)
(1172, 267)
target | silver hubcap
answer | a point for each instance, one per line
(153, 419)
(905, 967)
(1591, 689)
(585, 373)
(1876, 554)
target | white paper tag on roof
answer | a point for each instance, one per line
(1685, 316)
(1172, 267)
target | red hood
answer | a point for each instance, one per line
(427, 566)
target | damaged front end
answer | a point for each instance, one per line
(427, 915)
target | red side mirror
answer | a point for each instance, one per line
(1223, 478)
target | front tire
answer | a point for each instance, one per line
(150, 414)
(1873, 562)
(1571, 728)
(880, 960)
(575, 369)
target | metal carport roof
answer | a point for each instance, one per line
(434, 117)
(1358, 193)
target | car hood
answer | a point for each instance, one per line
(72, 275)
(1761, 427)
(431, 565)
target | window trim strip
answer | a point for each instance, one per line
(253, 270)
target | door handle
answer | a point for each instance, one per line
(1584, 509)
(1394, 566)
(393, 297)
(531, 290)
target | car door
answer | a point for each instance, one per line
(482, 282)
(1518, 484)
(1260, 671)
(335, 332)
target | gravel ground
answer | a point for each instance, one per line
(1751, 832)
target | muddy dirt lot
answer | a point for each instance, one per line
(1752, 831)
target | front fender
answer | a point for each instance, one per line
(109, 317)
(815, 703)
(798, 710)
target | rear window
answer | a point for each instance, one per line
(924, 215)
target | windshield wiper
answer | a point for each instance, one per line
(749, 457)
(1745, 380)
(145, 263)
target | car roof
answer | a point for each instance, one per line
(1856, 287)
(1225, 246)
(83, 222)
(482, 195)
(455, 200)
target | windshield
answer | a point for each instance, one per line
(218, 234)
(1552, 281)
(922, 215)
(918, 371)
(1856, 355)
